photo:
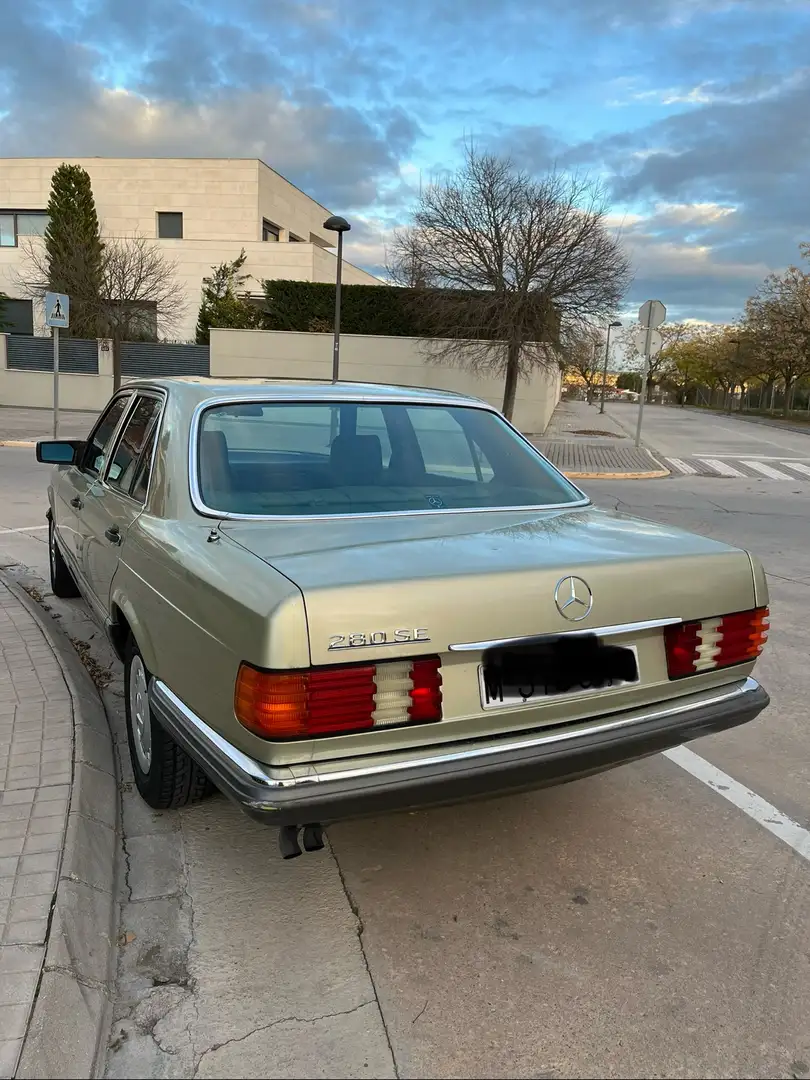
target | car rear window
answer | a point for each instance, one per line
(297, 459)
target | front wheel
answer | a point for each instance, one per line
(62, 583)
(165, 775)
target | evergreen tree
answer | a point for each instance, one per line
(222, 306)
(74, 247)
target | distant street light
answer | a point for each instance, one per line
(340, 226)
(604, 373)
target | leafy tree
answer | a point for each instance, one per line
(501, 262)
(581, 350)
(777, 324)
(74, 248)
(222, 305)
(629, 380)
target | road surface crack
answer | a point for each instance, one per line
(275, 1023)
(360, 931)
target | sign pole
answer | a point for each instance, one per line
(648, 341)
(56, 382)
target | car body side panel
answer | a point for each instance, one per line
(203, 608)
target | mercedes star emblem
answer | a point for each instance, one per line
(573, 598)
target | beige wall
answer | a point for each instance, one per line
(222, 201)
(395, 360)
(34, 389)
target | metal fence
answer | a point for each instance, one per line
(80, 357)
(76, 357)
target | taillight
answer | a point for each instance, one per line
(338, 700)
(695, 647)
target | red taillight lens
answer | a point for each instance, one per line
(696, 647)
(338, 700)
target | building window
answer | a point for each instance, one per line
(270, 231)
(170, 225)
(17, 223)
(295, 239)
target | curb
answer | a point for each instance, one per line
(659, 474)
(72, 1012)
(16, 442)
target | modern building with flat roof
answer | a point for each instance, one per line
(200, 211)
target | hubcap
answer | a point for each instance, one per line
(139, 713)
(52, 546)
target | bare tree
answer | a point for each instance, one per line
(503, 261)
(138, 298)
(581, 351)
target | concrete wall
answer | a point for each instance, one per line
(401, 361)
(222, 201)
(34, 389)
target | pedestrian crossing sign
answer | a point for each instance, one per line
(57, 310)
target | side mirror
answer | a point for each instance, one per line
(53, 452)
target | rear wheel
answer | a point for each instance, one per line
(165, 775)
(62, 583)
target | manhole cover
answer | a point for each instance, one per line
(606, 434)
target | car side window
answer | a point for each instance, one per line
(143, 473)
(101, 436)
(134, 436)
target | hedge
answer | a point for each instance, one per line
(364, 309)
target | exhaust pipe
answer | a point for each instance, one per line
(312, 838)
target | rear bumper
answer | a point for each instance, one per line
(454, 772)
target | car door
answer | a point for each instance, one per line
(114, 503)
(71, 485)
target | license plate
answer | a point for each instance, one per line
(543, 684)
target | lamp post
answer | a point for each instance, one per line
(604, 373)
(340, 226)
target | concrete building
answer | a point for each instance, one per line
(200, 211)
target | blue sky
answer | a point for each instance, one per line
(694, 113)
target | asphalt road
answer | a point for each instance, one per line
(635, 924)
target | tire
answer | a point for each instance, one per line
(165, 775)
(62, 582)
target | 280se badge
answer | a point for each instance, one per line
(374, 638)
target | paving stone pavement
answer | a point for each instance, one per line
(584, 443)
(58, 823)
(36, 731)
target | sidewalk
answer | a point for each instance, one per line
(587, 445)
(58, 818)
(22, 427)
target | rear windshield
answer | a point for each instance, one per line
(298, 459)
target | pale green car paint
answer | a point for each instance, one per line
(273, 593)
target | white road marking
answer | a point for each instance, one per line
(681, 466)
(797, 465)
(784, 828)
(25, 528)
(767, 470)
(722, 467)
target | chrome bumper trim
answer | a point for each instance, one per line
(600, 631)
(179, 717)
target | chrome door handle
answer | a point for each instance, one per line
(113, 534)
(77, 502)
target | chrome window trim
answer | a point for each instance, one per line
(162, 396)
(202, 508)
(600, 631)
(123, 392)
(674, 706)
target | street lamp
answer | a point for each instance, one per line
(604, 373)
(340, 226)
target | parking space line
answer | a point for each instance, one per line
(767, 470)
(682, 466)
(784, 828)
(24, 529)
(722, 467)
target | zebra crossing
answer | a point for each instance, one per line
(740, 468)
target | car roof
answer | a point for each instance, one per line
(199, 389)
